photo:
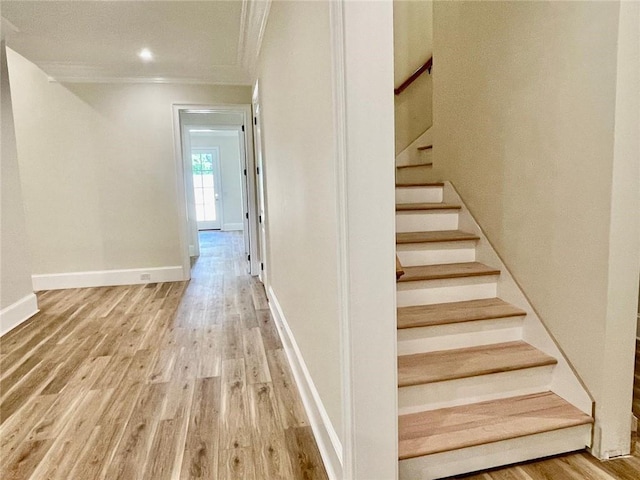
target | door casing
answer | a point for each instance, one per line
(186, 215)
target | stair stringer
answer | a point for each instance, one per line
(565, 381)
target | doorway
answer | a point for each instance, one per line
(214, 154)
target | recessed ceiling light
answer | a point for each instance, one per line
(146, 55)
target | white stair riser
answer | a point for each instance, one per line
(458, 335)
(463, 391)
(421, 221)
(506, 452)
(418, 194)
(428, 292)
(413, 254)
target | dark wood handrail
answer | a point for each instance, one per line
(424, 68)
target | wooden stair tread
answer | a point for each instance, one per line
(447, 270)
(447, 429)
(413, 165)
(430, 367)
(456, 312)
(432, 184)
(437, 236)
(426, 206)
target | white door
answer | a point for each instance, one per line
(205, 167)
(260, 181)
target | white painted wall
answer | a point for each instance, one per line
(412, 47)
(326, 82)
(100, 181)
(15, 268)
(296, 95)
(368, 228)
(231, 173)
(528, 119)
(624, 244)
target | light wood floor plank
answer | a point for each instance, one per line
(237, 464)
(200, 458)
(183, 380)
(304, 454)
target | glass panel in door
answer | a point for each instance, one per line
(206, 186)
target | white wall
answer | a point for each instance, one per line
(413, 46)
(524, 117)
(15, 269)
(619, 344)
(98, 169)
(231, 173)
(326, 82)
(295, 89)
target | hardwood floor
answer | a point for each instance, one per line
(159, 381)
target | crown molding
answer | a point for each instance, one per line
(85, 73)
(253, 23)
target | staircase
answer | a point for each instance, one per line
(416, 167)
(480, 381)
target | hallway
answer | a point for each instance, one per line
(158, 381)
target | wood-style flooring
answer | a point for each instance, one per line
(160, 381)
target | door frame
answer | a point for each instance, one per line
(249, 186)
(261, 200)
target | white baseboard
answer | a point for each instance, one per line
(18, 312)
(326, 437)
(103, 278)
(228, 227)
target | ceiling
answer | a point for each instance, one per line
(211, 41)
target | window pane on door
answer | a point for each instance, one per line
(204, 186)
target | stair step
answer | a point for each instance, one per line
(427, 184)
(454, 428)
(435, 217)
(402, 207)
(469, 362)
(456, 312)
(437, 236)
(419, 194)
(414, 165)
(448, 270)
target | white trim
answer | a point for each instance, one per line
(227, 227)
(243, 82)
(361, 34)
(103, 278)
(336, 14)
(254, 21)
(328, 441)
(246, 145)
(181, 194)
(18, 312)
